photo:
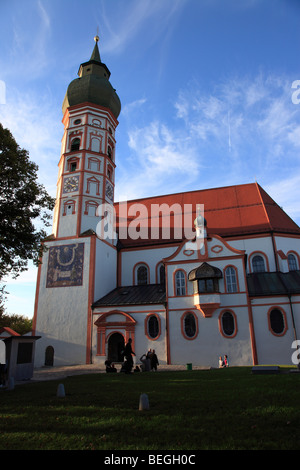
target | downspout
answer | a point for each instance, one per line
(293, 322)
(292, 314)
(168, 355)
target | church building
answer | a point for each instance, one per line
(193, 275)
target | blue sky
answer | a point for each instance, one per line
(205, 86)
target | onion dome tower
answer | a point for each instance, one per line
(87, 165)
(93, 85)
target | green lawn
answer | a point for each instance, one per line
(189, 410)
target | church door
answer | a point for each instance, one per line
(115, 348)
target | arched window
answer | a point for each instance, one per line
(142, 274)
(75, 144)
(292, 261)
(162, 274)
(153, 326)
(180, 283)
(231, 281)
(49, 356)
(228, 324)
(277, 323)
(189, 325)
(258, 264)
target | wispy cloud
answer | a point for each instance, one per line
(141, 16)
(129, 108)
(245, 130)
(29, 54)
(161, 158)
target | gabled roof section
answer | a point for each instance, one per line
(6, 331)
(229, 211)
(133, 295)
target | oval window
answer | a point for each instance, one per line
(277, 321)
(228, 324)
(189, 325)
(153, 326)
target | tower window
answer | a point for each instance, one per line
(75, 144)
(73, 166)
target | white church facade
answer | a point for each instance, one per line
(191, 288)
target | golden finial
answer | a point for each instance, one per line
(96, 38)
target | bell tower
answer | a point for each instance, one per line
(78, 266)
(87, 165)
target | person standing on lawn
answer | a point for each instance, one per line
(154, 360)
(128, 352)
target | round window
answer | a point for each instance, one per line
(77, 121)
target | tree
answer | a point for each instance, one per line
(18, 323)
(23, 202)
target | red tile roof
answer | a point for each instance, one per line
(229, 211)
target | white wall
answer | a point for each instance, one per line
(62, 315)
